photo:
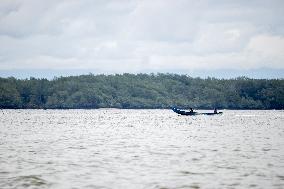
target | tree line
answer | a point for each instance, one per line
(141, 91)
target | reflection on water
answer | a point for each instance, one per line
(111, 148)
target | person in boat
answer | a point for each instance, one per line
(215, 111)
(191, 110)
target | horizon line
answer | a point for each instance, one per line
(260, 73)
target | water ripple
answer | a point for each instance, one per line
(112, 148)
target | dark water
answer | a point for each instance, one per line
(111, 148)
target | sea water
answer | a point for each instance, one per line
(112, 148)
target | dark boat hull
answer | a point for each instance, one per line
(211, 113)
(182, 112)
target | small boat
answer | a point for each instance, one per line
(190, 113)
(182, 112)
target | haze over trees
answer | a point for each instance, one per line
(142, 91)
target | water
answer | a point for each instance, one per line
(110, 148)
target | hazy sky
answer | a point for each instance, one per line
(141, 35)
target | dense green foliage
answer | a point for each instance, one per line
(141, 91)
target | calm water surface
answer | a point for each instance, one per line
(111, 148)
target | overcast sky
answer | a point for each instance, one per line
(115, 36)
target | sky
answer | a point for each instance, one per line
(142, 36)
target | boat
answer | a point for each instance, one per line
(182, 112)
(190, 113)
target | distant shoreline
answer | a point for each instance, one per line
(141, 91)
(196, 109)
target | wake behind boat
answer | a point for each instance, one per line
(192, 113)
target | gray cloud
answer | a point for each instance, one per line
(132, 36)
